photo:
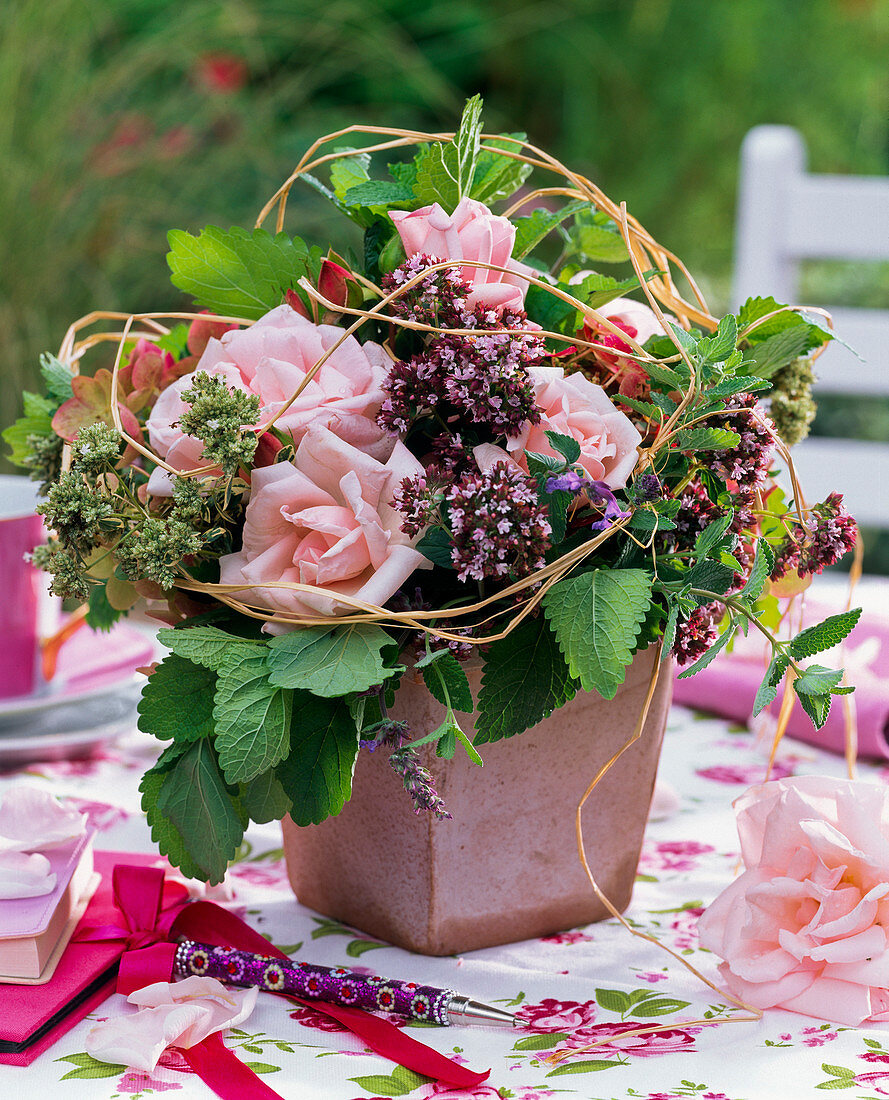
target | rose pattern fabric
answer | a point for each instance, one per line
(472, 232)
(271, 360)
(325, 520)
(806, 926)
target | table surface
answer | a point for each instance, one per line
(599, 975)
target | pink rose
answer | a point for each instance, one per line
(553, 1015)
(805, 925)
(579, 408)
(472, 232)
(629, 314)
(270, 359)
(326, 520)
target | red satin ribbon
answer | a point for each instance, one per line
(139, 893)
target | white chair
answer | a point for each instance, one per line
(786, 215)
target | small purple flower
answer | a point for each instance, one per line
(569, 482)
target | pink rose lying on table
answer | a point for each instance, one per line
(327, 520)
(271, 359)
(577, 407)
(805, 926)
(472, 232)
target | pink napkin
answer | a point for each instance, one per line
(728, 686)
(91, 659)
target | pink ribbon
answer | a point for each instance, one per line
(155, 916)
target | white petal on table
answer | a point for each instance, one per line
(32, 820)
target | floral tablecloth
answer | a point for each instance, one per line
(574, 987)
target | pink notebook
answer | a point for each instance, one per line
(30, 927)
(32, 1018)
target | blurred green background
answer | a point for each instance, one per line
(123, 118)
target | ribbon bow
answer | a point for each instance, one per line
(155, 914)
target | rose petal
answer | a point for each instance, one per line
(25, 876)
(31, 820)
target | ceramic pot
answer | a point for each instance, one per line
(506, 867)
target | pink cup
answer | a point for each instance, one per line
(26, 609)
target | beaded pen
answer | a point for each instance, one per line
(335, 984)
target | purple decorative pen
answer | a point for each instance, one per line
(335, 984)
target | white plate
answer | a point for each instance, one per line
(70, 732)
(27, 708)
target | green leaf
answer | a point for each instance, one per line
(596, 617)
(712, 576)
(763, 564)
(816, 706)
(446, 680)
(399, 1083)
(56, 377)
(199, 815)
(817, 680)
(329, 661)
(467, 142)
(738, 384)
(769, 356)
(252, 718)
(540, 1042)
(658, 1006)
(664, 376)
(445, 172)
(240, 272)
(670, 631)
(525, 679)
(177, 701)
(348, 173)
(264, 799)
(705, 439)
(589, 1066)
(645, 408)
(207, 645)
(646, 521)
(614, 1000)
(36, 421)
(597, 290)
(101, 615)
(497, 176)
(379, 193)
(712, 535)
(599, 243)
(317, 775)
(825, 635)
(566, 445)
(532, 229)
(719, 346)
(768, 689)
(436, 545)
(711, 654)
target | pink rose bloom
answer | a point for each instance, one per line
(326, 520)
(270, 359)
(629, 314)
(472, 232)
(553, 1015)
(577, 407)
(804, 927)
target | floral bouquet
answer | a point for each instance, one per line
(461, 441)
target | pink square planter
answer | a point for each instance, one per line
(506, 867)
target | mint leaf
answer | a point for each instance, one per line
(466, 143)
(329, 661)
(532, 229)
(816, 706)
(769, 356)
(498, 177)
(264, 799)
(252, 719)
(598, 290)
(207, 645)
(445, 172)
(704, 660)
(825, 635)
(712, 535)
(705, 439)
(437, 546)
(768, 689)
(444, 677)
(598, 239)
(348, 173)
(669, 631)
(201, 818)
(719, 346)
(566, 445)
(56, 378)
(644, 408)
(712, 576)
(177, 701)
(737, 384)
(317, 774)
(524, 680)
(383, 193)
(165, 836)
(817, 680)
(763, 564)
(596, 617)
(241, 272)
(36, 421)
